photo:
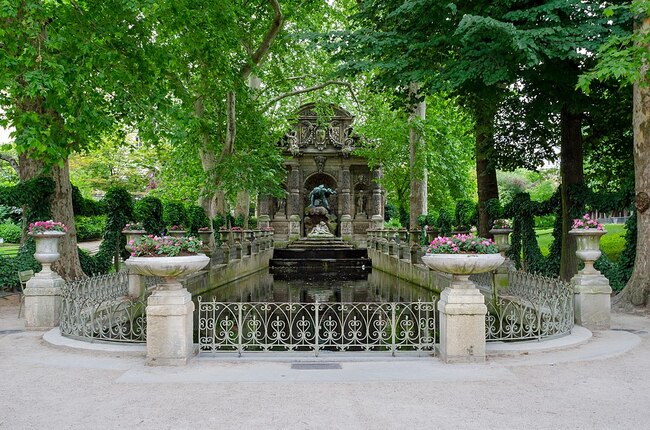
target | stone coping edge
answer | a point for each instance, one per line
(54, 338)
(578, 336)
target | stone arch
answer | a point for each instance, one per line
(311, 182)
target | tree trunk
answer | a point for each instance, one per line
(486, 174)
(571, 172)
(417, 164)
(637, 290)
(243, 205)
(68, 265)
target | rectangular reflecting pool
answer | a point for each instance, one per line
(374, 286)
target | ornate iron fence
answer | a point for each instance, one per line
(262, 326)
(532, 307)
(99, 308)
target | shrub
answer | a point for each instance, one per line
(10, 232)
(464, 214)
(443, 223)
(97, 264)
(90, 227)
(219, 221)
(197, 218)
(85, 207)
(10, 213)
(149, 212)
(9, 267)
(174, 214)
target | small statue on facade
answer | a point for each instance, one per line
(281, 207)
(318, 196)
(292, 143)
(361, 203)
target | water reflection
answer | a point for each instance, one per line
(262, 287)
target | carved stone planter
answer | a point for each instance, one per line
(592, 293)
(462, 306)
(501, 236)
(43, 291)
(169, 308)
(177, 233)
(133, 237)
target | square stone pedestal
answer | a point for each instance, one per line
(43, 301)
(294, 227)
(462, 325)
(592, 301)
(169, 327)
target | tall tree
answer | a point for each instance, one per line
(68, 72)
(625, 59)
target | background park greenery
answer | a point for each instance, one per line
(474, 110)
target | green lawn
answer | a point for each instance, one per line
(611, 244)
(8, 249)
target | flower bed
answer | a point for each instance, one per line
(165, 246)
(586, 223)
(462, 244)
(39, 227)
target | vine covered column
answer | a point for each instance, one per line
(293, 204)
(346, 217)
(377, 209)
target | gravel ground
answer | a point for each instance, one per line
(602, 384)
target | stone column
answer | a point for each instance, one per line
(294, 208)
(345, 207)
(377, 209)
(263, 211)
(462, 322)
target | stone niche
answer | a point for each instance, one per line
(319, 151)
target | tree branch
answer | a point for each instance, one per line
(263, 49)
(314, 88)
(12, 162)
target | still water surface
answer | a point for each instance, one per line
(377, 286)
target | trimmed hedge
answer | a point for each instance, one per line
(149, 211)
(90, 227)
(10, 232)
(196, 218)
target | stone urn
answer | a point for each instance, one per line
(133, 237)
(43, 291)
(592, 292)
(461, 266)
(501, 236)
(432, 233)
(588, 247)
(462, 306)
(206, 236)
(47, 251)
(176, 233)
(169, 308)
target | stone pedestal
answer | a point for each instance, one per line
(294, 227)
(264, 221)
(462, 313)
(169, 327)
(346, 227)
(43, 291)
(377, 222)
(136, 285)
(169, 308)
(43, 301)
(592, 301)
(592, 294)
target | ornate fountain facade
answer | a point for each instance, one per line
(319, 151)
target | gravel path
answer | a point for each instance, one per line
(602, 384)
